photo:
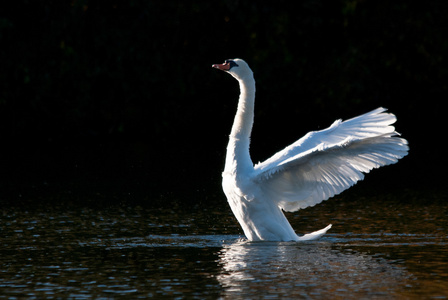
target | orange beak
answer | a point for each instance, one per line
(224, 67)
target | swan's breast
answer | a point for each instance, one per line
(238, 187)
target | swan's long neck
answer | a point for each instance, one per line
(238, 157)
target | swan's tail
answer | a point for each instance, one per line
(314, 235)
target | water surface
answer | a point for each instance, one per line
(379, 247)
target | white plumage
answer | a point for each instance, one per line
(316, 167)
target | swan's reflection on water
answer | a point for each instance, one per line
(314, 270)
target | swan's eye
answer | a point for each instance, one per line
(231, 63)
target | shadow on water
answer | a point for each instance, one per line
(387, 250)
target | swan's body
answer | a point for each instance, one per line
(314, 168)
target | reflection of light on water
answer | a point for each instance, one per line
(306, 270)
(78, 252)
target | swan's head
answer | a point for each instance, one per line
(238, 68)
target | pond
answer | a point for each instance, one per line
(380, 246)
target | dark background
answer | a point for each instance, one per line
(118, 100)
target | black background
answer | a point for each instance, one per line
(118, 99)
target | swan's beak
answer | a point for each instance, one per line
(223, 67)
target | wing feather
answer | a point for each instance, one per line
(325, 163)
(371, 124)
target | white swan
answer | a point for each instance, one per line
(316, 167)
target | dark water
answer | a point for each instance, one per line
(380, 246)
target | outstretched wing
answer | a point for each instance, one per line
(325, 163)
(371, 124)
